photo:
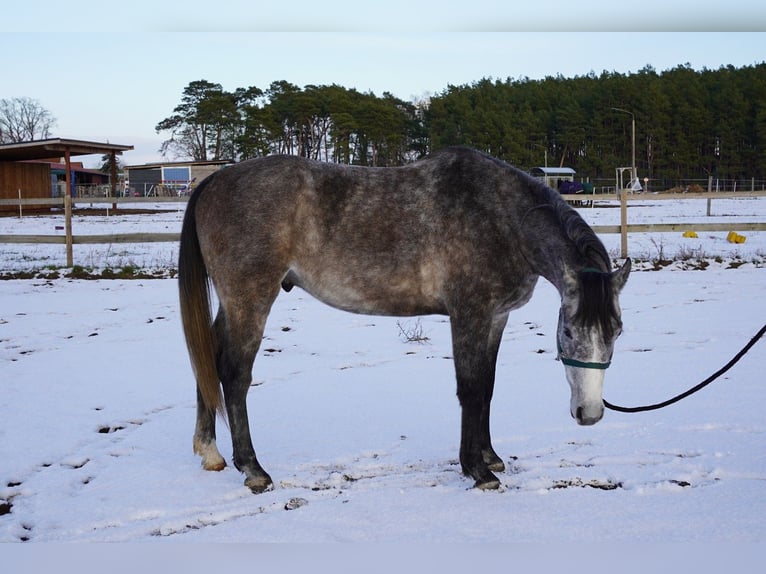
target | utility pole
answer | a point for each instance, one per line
(633, 144)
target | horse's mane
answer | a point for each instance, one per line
(597, 304)
(587, 244)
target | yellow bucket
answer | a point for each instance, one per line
(735, 237)
(691, 234)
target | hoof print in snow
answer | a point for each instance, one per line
(294, 503)
(580, 483)
(5, 508)
(27, 536)
(107, 429)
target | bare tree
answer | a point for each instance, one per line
(24, 119)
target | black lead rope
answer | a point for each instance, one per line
(693, 390)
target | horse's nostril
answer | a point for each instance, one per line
(587, 419)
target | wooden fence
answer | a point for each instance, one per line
(624, 228)
(69, 239)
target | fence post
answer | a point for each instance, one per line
(68, 228)
(113, 181)
(624, 223)
(709, 190)
(68, 209)
(20, 210)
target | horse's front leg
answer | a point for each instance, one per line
(475, 372)
(472, 459)
(493, 460)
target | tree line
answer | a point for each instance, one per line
(688, 123)
(328, 123)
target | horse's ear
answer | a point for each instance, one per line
(620, 277)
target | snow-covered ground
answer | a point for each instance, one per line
(359, 428)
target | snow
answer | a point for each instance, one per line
(360, 428)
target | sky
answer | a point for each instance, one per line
(113, 77)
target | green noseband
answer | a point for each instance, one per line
(580, 364)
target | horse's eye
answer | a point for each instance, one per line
(567, 333)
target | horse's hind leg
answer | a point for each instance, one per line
(240, 331)
(204, 438)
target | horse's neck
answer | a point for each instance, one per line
(548, 250)
(551, 260)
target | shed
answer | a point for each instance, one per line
(27, 168)
(172, 178)
(551, 176)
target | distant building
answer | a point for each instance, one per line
(551, 176)
(167, 179)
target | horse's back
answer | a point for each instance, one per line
(394, 241)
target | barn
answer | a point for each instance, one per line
(34, 169)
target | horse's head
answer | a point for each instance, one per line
(589, 324)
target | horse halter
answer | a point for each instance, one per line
(581, 364)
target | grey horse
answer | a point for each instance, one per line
(459, 233)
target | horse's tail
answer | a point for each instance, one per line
(194, 295)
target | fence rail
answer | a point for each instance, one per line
(92, 239)
(59, 201)
(624, 228)
(709, 195)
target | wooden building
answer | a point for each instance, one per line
(33, 169)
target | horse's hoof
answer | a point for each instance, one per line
(211, 458)
(259, 484)
(214, 465)
(488, 484)
(493, 462)
(485, 480)
(496, 466)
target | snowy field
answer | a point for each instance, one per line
(359, 428)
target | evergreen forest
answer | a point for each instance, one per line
(689, 124)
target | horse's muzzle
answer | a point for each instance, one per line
(587, 417)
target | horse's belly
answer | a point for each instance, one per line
(361, 294)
